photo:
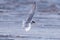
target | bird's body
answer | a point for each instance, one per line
(28, 22)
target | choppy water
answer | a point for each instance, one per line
(46, 26)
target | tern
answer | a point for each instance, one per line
(28, 21)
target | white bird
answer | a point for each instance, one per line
(27, 23)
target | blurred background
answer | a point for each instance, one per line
(46, 17)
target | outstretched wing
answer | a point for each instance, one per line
(32, 12)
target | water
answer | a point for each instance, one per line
(46, 26)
